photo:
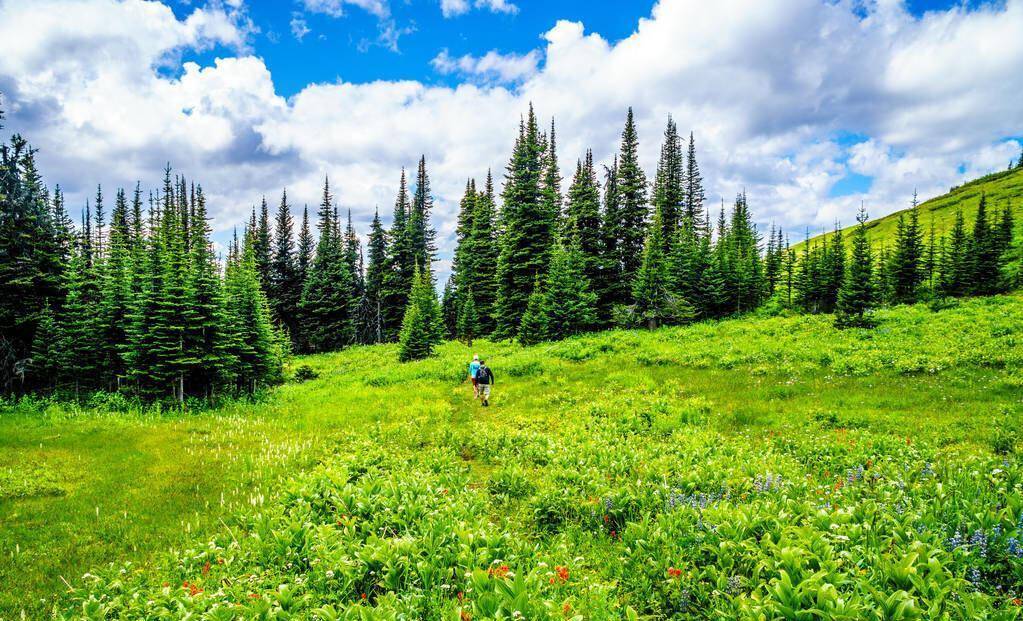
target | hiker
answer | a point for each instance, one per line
(484, 379)
(474, 368)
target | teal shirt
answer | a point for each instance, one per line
(474, 368)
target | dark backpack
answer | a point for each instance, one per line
(484, 376)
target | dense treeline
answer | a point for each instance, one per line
(141, 303)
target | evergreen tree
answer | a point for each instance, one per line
(533, 327)
(262, 247)
(421, 234)
(254, 347)
(48, 357)
(376, 272)
(611, 287)
(687, 265)
(484, 250)
(984, 254)
(568, 303)
(116, 292)
(208, 334)
(669, 185)
(401, 265)
(694, 193)
(632, 211)
(449, 307)
(907, 260)
(463, 259)
(856, 297)
(327, 294)
(834, 270)
(525, 229)
(582, 222)
(650, 289)
(421, 328)
(284, 291)
(467, 319)
(550, 186)
(80, 341)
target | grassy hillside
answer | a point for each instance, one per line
(737, 469)
(1001, 188)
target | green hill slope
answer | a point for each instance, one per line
(1001, 188)
(743, 469)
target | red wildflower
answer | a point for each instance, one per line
(363, 596)
(206, 569)
(461, 596)
(254, 596)
(220, 561)
(498, 572)
(674, 572)
(1017, 601)
(566, 608)
(192, 589)
(562, 573)
(614, 534)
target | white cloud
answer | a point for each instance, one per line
(335, 8)
(299, 27)
(491, 66)
(768, 86)
(453, 8)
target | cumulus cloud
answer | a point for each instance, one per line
(453, 8)
(772, 89)
(492, 66)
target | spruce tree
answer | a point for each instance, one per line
(568, 302)
(526, 229)
(632, 211)
(656, 303)
(462, 263)
(401, 265)
(467, 319)
(533, 327)
(421, 234)
(421, 328)
(611, 287)
(856, 297)
(984, 254)
(116, 292)
(694, 193)
(48, 363)
(449, 307)
(261, 246)
(327, 293)
(284, 291)
(907, 259)
(550, 186)
(484, 249)
(376, 272)
(669, 189)
(582, 222)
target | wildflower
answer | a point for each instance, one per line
(1017, 601)
(206, 569)
(734, 584)
(674, 572)
(561, 573)
(254, 596)
(566, 609)
(461, 596)
(973, 575)
(464, 616)
(363, 596)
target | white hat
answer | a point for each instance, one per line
(475, 356)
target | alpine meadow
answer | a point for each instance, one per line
(707, 311)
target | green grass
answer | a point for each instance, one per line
(1001, 189)
(608, 455)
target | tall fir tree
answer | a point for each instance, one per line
(569, 306)
(421, 233)
(376, 272)
(984, 254)
(632, 211)
(401, 265)
(262, 246)
(284, 290)
(421, 328)
(907, 260)
(694, 194)
(525, 229)
(484, 249)
(583, 222)
(669, 185)
(326, 294)
(856, 296)
(650, 289)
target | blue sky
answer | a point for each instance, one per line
(810, 106)
(349, 46)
